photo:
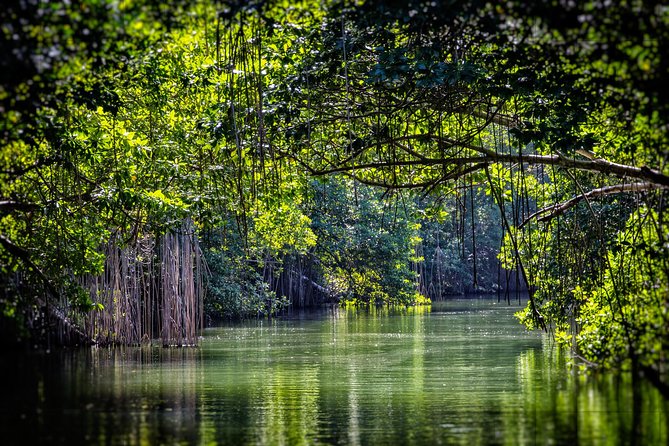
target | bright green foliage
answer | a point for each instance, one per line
(625, 316)
(280, 229)
(58, 164)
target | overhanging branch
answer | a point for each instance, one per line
(11, 206)
(550, 212)
(489, 156)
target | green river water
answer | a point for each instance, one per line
(463, 372)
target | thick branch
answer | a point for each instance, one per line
(425, 162)
(598, 165)
(8, 206)
(11, 206)
(560, 208)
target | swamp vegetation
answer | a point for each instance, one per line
(168, 164)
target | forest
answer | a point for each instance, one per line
(169, 164)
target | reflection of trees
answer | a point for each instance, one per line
(367, 392)
(262, 387)
(144, 395)
(104, 396)
(288, 405)
(355, 378)
(565, 407)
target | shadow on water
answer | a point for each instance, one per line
(460, 372)
(98, 396)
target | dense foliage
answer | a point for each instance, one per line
(437, 132)
(557, 108)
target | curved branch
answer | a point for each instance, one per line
(560, 208)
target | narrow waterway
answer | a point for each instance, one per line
(463, 372)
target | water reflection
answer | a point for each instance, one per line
(462, 373)
(575, 409)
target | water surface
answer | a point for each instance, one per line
(463, 372)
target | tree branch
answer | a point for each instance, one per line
(560, 208)
(489, 156)
(11, 205)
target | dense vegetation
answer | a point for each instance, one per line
(380, 152)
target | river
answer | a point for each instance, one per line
(461, 372)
